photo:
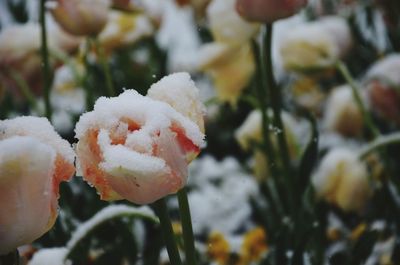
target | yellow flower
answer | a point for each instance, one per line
(316, 45)
(218, 248)
(231, 69)
(342, 179)
(124, 29)
(229, 59)
(254, 246)
(342, 113)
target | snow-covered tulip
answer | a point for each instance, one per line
(81, 17)
(34, 160)
(138, 147)
(342, 179)
(342, 114)
(316, 45)
(20, 53)
(382, 82)
(268, 10)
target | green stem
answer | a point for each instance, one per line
(344, 71)
(106, 68)
(379, 142)
(276, 100)
(10, 259)
(45, 60)
(269, 185)
(276, 103)
(188, 238)
(88, 87)
(160, 207)
(24, 88)
(67, 61)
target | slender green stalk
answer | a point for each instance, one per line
(88, 87)
(342, 68)
(276, 104)
(379, 142)
(10, 259)
(45, 61)
(160, 207)
(106, 68)
(267, 144)
(276, 100)
(188, 238)
(24, 88)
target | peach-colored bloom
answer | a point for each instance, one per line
(33, 161)
(81, 17)
(137, 148)
(268, 10)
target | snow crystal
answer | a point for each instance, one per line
(219, 199)
(39, 128)
(120, 158)
(187, 103)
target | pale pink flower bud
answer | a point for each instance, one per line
(33, 161)
(268, 10)
(81, 17)
(382, 81)
(137, 148)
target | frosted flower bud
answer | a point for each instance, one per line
(342, 179)
(138, 147)
(226, 25)
(81, 17)
(342, 113)
(268, 10)
(34, 160)
(230, 69)
(316, 45)
(124, 29)
(382, 81)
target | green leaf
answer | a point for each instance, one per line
(309, 157)
(105, 215)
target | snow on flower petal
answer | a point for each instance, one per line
(138, 148)
(33, 162)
